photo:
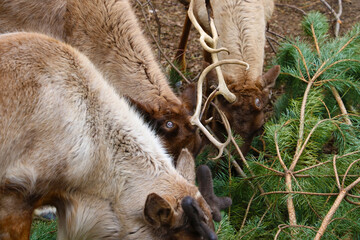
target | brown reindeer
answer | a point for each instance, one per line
(67, 139)
(108, 33)
(240, 25)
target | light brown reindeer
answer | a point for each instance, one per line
(67, 139)
(108, 33)
(240, 25)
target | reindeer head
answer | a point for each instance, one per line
(246, 114)
(181, 216)
(186, 218)
(172, 123)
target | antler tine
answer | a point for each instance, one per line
(222, 87)
(205, 182)
(195, 119)
(204, 37)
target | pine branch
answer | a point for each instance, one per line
(247, 210)
(335, 206)
(284, 226)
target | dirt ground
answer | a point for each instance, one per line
(285, 22)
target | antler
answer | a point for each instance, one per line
(206, 38)
(204, 179)
(222, 88)
(195, 215)
(195, 119)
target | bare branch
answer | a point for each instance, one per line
(158, 44)
(336, 173)
(289, 200)
(283, 226)
(276, 34)
(247, 210)
(336, 15)
(157, 22)
(270, 44)
(311, 167)
(341, 104)
(291, 6)
(273, 170)
(347, 171)
(278, 152)
(336, 205)
(298, 192)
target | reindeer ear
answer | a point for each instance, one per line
(186, 165)
(158, 212)
(269, 78)
(188, 97)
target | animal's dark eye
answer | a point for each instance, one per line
(257, 103)
(169, 124)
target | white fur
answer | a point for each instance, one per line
(89, 151)
(241, 28)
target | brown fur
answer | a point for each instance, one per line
(241, 29)
(108, 33)
(68, 140)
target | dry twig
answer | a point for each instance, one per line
(336, 15)
(291, 6)
(158, 44)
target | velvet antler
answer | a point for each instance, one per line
(205, 182)
(196, 218)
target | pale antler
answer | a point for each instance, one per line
(222, 88)
(204, 39)
(195, 119)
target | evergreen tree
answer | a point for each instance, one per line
(310, 149)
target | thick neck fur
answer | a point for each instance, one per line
(117, 46)
(76, 128)
(107, 32)
(241, 28)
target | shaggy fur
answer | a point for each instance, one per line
(241, 29)
(68, 140)
(108, 33)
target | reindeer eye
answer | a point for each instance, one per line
(169, 124)
(257, 103)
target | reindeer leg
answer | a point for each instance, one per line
(15, 216)
(180, 53)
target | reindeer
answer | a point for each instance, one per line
(68, 139)
(240, 26)
(108, 33)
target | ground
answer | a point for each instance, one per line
(285, 22)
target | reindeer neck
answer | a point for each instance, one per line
(109, 34)
(127, 148)
(33, 16)
(241, 28)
